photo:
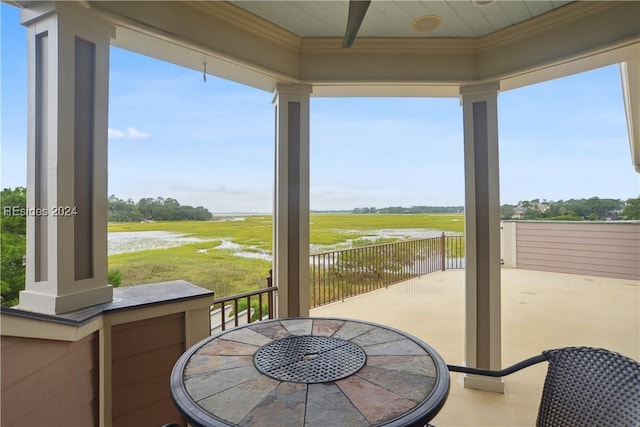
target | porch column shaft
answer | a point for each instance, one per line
(630, 76)
(291, 207)
(68, 84)
(482, 233)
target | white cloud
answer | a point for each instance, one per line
(137, 133)
(131, 133)
(116, 134)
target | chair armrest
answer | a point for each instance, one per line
(501, 373)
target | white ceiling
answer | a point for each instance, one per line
(461, 18)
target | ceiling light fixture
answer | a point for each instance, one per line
(426, 23)
(481, 3)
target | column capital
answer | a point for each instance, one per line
(480, 89)
(294, 89)
(77, 12)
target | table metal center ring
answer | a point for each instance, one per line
(309, 359)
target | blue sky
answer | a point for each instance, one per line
(212, 144)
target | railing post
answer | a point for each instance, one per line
(223, 320)
(443, 253)
(270, 294)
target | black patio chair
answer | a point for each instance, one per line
(584, 387)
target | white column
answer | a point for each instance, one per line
(68, 84)
(630, 76)
(291, 207)
(509, 244)
(482, 233)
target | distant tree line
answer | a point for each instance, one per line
(158, 209)
(592, 209)
(411, 210)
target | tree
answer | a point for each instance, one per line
(506, 211)
(114, 278)
(598, 209)
(145, 206)
(13, 240)
(168, 209)
(632, 209)
(532, 213)
(119, 210)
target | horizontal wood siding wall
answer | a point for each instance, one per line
(49, 383)
(595, 249)
(143, 354)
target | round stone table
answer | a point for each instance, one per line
(310, 372)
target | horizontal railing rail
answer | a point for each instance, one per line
(336, 275)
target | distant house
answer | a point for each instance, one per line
(614, 214)
(518, 212)
(543, 207)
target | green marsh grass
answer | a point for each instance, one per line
(228, 274)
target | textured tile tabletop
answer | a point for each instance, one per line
(310, 372)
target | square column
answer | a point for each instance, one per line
(68, 88)
(482, 234)
(630, 78)
(291, 205)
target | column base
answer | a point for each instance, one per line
(58, 304)
(478, 382)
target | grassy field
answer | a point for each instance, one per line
(226, 273)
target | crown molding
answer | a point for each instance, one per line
(557, 18)
(386, 89)
(265, 29)
(247, 21)
(144, 33)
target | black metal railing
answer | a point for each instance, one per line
(453, 252)
(244, 308)
(336, 275)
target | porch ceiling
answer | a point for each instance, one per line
(265, 43)
(395, 18)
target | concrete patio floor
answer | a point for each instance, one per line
(540, 310)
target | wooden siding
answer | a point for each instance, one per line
(143, 354)
(595, 249)
(49, 383)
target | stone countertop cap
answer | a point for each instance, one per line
(124, 298)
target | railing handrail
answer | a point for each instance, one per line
(377, 245)
(244, 295)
